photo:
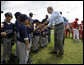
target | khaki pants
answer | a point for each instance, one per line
(58, 38)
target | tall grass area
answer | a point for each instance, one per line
(73, 53)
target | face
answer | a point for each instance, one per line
(49, 11)
(32, 16)
(8, 18)
(76, 19)
(18, 17)
(27, 21)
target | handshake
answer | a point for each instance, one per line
(42, 26)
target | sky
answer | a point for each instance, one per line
(70, 9)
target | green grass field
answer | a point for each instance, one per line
(73, 53)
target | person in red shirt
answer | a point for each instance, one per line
(81, 30)
(75, 29)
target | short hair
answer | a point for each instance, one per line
(50, 8)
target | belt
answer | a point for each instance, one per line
(59, 24)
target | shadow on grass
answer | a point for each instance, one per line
(53, 59)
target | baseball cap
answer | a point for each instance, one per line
(36, 20)
(9, 14)
(76, 19)
(17, 14)
(23, 17)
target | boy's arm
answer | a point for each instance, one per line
(27, 43)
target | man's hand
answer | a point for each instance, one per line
(40, 26)
(3, 33)
(44, 28)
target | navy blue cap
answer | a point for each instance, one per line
(17, 14)
(23, 17)
(8, 13)
(36, 20)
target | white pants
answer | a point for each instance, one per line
(76, 32)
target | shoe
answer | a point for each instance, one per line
(42, 47)
(79, 40)
(59, 54)
(29, 61)
(52, 52)
(45, 46)
(35, 51)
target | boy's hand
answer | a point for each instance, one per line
(3, 33)
(2, 25)
(27, 47)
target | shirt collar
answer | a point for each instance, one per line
(8, 23)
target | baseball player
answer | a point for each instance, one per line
(23, 39)
(7, 33)
(75, 29)
(36, 37)
(17, 22)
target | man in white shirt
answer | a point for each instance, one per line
(57, 20)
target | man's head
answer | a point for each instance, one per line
(31, 15)
(24, 19)
(17, 15)
(50, 10)
(76, 19)
(8, 16)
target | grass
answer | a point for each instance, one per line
(73, 53)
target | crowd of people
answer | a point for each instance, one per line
(75, 29)
(29, 35)
(24, 34)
